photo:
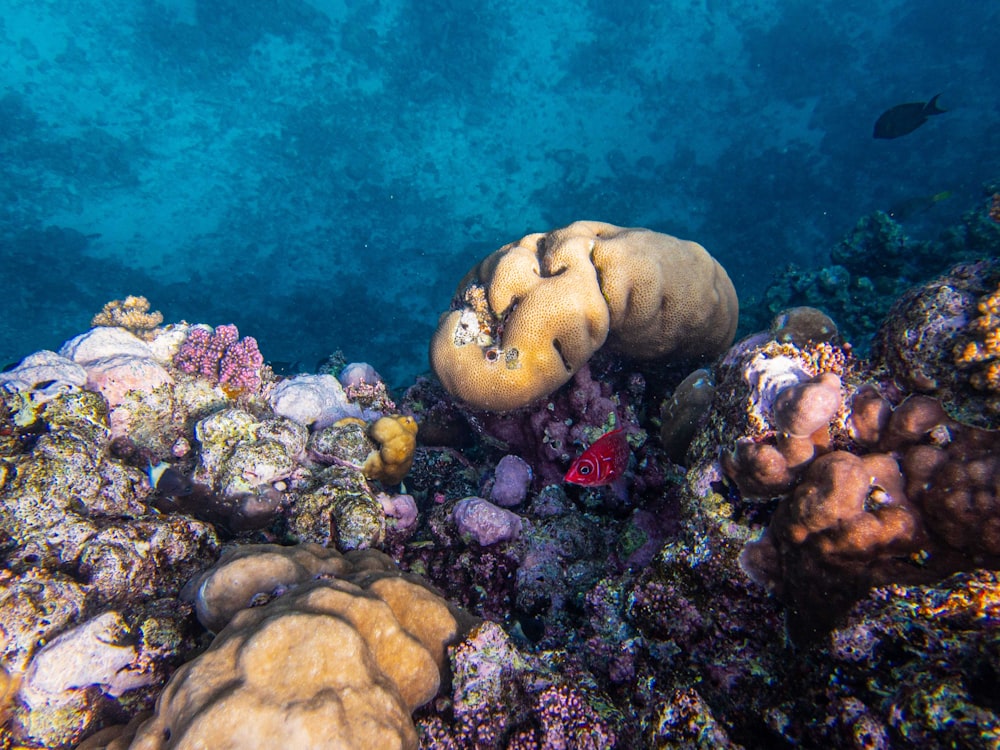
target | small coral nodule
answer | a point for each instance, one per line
(222, 357)
(396, 436)
(132, 314)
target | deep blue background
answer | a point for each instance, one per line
(322, 175)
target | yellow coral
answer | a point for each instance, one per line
(132, 314)
(554, 299)
(984, 347)
(396, 436)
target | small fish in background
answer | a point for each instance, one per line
(602, 463)
(905, 118)
(910, 207)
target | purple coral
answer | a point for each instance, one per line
(220, 356)
(511, 481)
(485, 522)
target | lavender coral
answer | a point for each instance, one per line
(222, 357)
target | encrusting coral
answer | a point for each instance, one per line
(531, 314)
(132, 314)
(982, 352)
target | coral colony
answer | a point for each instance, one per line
(799, 548)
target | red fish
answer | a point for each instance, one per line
(602, 463)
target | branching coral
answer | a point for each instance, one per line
(222, 357)
(132, 314)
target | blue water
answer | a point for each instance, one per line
(323, 173)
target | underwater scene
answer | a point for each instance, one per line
(499, 375)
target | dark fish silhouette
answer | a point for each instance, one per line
(910, 207)
(905, 118)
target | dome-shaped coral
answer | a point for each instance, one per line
(337, 662)
(531, 314)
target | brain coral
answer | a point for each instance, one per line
(529, 315)
(338, 662)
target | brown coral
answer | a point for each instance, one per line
(802, 325)
(924, 507)
(680, 414)
(771, 465)
(848, 526)
(802, 409)
(553, 299)
(132, 314)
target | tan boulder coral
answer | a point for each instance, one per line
(528, 316)
(248, 571)
(336, 662)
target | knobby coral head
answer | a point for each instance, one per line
(530, 315)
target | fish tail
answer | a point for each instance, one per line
(931, 108)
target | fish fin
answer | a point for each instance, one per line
(619, 488)
(931, 108)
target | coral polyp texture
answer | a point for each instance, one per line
(981, 353)
(221, 356)
(942, 337)
(337, 662)
(530, 315)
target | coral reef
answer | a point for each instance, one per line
(857, 292)
(911, 666)
(530, 315)
(87, 610)
(502, 698)
(820, 572)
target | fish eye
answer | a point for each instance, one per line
(585, 469)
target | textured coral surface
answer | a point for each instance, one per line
(530, 315)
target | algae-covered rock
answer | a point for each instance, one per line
(340, 510)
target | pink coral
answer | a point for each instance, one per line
(222, 357)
